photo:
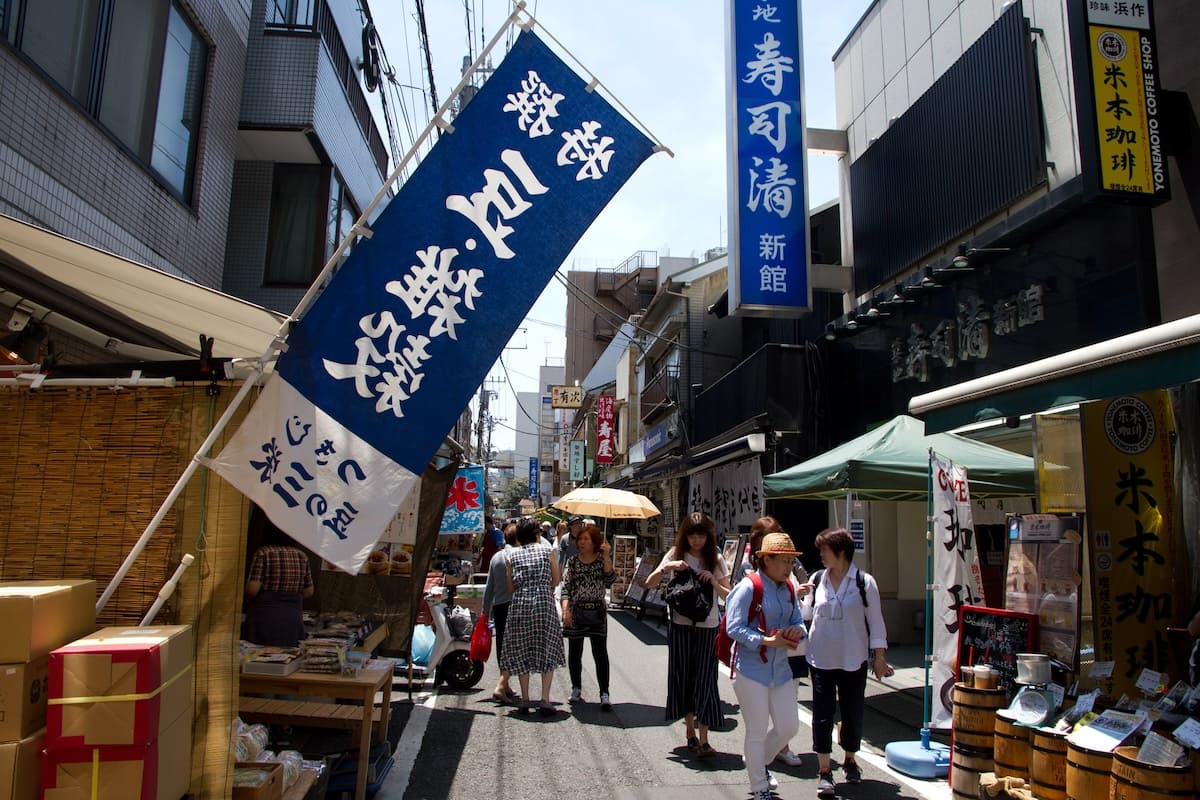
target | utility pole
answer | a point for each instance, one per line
(480, 453)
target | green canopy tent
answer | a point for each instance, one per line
(891, 462)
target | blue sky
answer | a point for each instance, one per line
(664, 60)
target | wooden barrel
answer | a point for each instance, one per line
(966, 765)
(974, 717)
(1089, 773)
(1048, 765)
(1012, 747)
(1137, 780)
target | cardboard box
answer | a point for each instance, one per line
(119, 686)
(21, 768)
(270, 789)
(23, 690)
(160, 770)
(42, 615)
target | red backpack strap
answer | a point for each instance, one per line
(756, 610)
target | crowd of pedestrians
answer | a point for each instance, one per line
(782, 623)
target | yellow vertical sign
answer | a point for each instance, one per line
(1123, 128)
(1134, 543)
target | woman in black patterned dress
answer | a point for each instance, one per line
(585, 616)
(691, 646)
(533, 635)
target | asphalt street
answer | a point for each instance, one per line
(465, 745)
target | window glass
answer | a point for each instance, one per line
(333, 214)
(130, 67)
(180, 99)
(298, 208)
(59, 35)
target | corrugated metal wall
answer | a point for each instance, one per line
(967, 148)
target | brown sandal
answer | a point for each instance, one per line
(706, 751)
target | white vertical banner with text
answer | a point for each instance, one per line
(957, 580)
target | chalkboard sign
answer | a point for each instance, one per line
(994, 636)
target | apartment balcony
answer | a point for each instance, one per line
(660, 392)
(303, 101)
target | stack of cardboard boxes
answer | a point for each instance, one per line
(119, 721)
(35, 618)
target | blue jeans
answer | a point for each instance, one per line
(831, 687)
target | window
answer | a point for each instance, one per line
(294, 245)
(136, 66)
(340, 217)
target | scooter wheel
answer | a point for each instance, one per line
(459, 671)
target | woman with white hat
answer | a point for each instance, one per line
(763, 618)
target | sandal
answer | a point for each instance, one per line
(693, 744)
(706, 751)
(546, 709)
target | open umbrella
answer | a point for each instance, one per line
(608, 503)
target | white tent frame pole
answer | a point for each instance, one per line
(359, 229)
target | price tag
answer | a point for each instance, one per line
(1086, 703)
(1188, 733)
(1102, 669)
(1058, 693)
(1151, 682)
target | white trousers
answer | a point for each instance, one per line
(764, 706)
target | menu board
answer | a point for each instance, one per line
(637, 591)
(994, 636)
(624, 557)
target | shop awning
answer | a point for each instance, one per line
(891, 462)
(131, 310)
(748, 445)
(1162, 356)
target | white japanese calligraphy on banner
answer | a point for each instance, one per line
(378, 368)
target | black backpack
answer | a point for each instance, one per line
(688, 596)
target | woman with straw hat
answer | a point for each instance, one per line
(764, 619)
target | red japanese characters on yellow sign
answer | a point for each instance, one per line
(1134, 543)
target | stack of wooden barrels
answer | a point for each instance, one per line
(973, 753)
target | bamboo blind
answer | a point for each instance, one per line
(85, 472)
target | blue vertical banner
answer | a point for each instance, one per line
(534, 478)
(464, 502)
(768, 189)
(376, 372)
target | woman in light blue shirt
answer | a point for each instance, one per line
(762, 677)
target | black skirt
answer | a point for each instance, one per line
(275, 619)
(692, 675)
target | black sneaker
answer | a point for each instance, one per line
(853, 772)
(825, 787)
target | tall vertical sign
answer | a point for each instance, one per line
(605, 432)
(768, 191)
(534, 487)
(957, 579)
(1118, 95)
(578, 456)
(1135, 546)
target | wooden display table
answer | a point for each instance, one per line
(361, 688)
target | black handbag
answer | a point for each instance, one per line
(587, 620)
(688, 596)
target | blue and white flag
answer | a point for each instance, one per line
(464, 503)
(378, 370)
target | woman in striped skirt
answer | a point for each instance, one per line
(691, 648)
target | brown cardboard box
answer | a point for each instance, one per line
(42, 615)
(23, 689)
(160, 770)
(20, 768)
(119, 686)
(271, 788)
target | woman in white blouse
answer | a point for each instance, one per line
(846, 634)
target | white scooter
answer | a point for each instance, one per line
(450, 661)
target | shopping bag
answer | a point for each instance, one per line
(481, 640)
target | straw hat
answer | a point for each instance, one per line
(777, 544)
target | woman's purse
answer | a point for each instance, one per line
(688, 596)
(587, 619)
